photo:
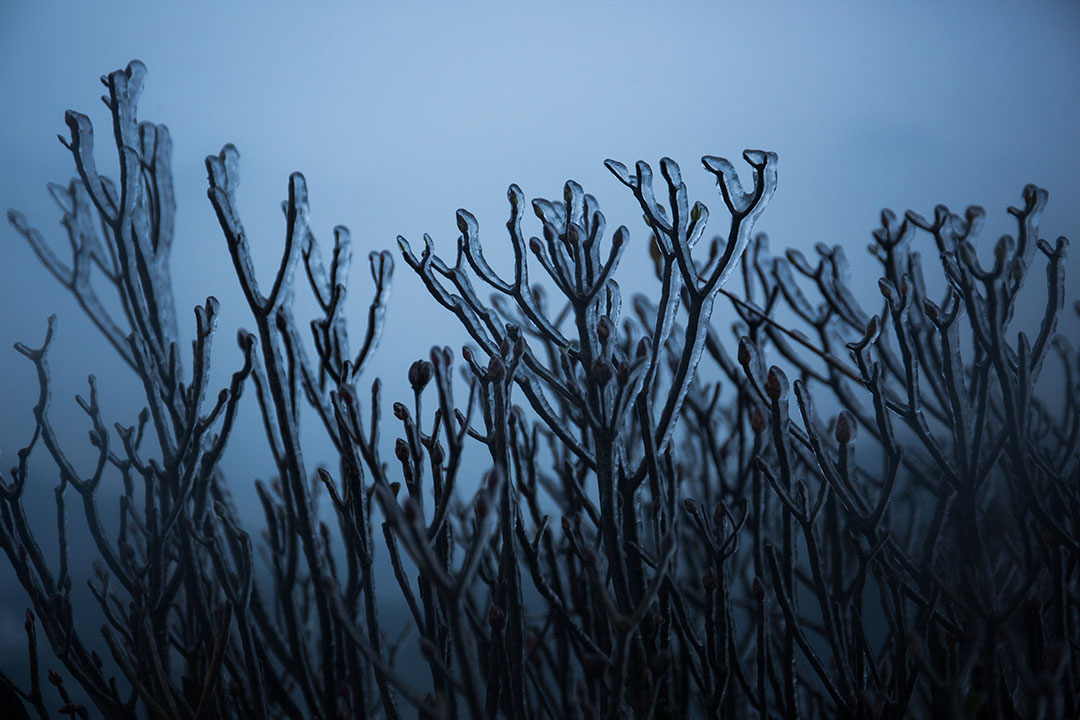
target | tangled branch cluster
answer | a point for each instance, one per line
(720, 551)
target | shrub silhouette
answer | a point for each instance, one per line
(662, 529)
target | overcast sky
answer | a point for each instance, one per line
(400, 113)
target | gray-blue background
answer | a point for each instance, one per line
(399, 114)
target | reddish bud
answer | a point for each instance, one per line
(776, 385)
(603, 328)
(601, 372)
(588, 556)
(690, 505)
(481, 507)
(401, 412)
(757, 420)
(437, 454)
(496, 618)
(401, 450)
(744, 351)
(412, 512)
(667, 543)
(846, 427)
(496, 369)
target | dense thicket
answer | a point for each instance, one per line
(663, 526)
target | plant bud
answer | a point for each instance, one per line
(776, 384)
(643, 346)
(481, 507)
(412, 512)
(846, 427)
(708, 580)
(401, 412)
(496, 369)
(588, 556)
(437, 454)
(428, 649)
(757, 420)
(519, 347)
(601, 372)
(566, 526)
(496, 618)
(535, 246)
(759, 589)
(603, 329)
(744, 351)
(690, 505)
(667, 543)
(401, 450)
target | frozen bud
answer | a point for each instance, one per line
(428, 649)
(667, 543)
(887, 290)
(601, 372)
(127, 552)
(519, 347)
(708, 580)
(744, 351)
(55, 679)
(759, 589)
(846, 427)
(419, 374)
(603, 328)
(690, 505)
(467, 353)
(401, 412)
(496, 618)
(567, 527)
(481, 507)
(643, 348)
(437, 453)
(776, 385)
(496, 369)
(535, 246)
(588, 556)
(395, 487)
(401, 450)
(757, 420)
(411, 510)
(504, 347)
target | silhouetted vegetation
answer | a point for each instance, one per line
(663, 526)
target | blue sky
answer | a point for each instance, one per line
(400, 113)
